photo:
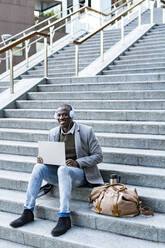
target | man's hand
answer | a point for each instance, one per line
(40, 160)
(71, 162)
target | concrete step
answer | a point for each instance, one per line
(19, 148)
(148, 46)
(154, 33)
(141, 157)
(9, 244)
(2, 88)
(93, 95)
(61, 62)
(38, 234)
(41, 75)
(72, 87)
(67, 59)
(141, 42)
(143, 77)
(128, 61)
(134, 71)
(111, 115)
(141, 141)
(83, 56)
(136, 157)
(153, 37)
(4, 83)
(98, 125)
(147, 65)
(134, 141)
(70, 66)
(93, 104)
(23, 134)
(112, 37)
(142, 56)
(130, 175)
(139, 227)
(135, 175)
(87, 48)
(89, 52)
(144, 51)
(53, 70)
(17, 163)
(153, 197)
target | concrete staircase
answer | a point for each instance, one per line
(3, 86)
(65, 58)
(88, 52)
(125, 106)
(146, 56)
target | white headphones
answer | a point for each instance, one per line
(71, 112)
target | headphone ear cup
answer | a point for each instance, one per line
(55, 116)
(71, 114)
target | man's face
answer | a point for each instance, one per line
(63, 117)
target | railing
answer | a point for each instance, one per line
(46, 31)
(42, 32)
(100, 30)
(37, 26)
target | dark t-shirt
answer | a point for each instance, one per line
(70, 150)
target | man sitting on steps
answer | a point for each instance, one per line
(83, 153)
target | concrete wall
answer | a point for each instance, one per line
(16, 15)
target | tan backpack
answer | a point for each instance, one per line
(117, 200)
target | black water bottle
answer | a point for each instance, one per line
(114, 178)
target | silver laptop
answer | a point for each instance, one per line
(52, 152)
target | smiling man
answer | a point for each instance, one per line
(83, 153)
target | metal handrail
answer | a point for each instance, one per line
(34, 26)
(100, 30)
(9, 47)
(79, 42)
(58, 21)
(41, 32)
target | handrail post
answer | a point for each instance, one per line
(27, 52)
(163, 14)
(158, 4)
(152, 11)
(71, 26)
(77, 60)
(87, 19)
(147, 4)
(139, 19)
(45, 58)
(102, 45)
(86, 2)
(128, 15)
(11, 72)
(117, 21)
(122, 28)
(101, 20)
(51, 36)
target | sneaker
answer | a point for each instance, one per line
(63, 225)
(26, 217)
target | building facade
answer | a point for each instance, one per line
(16, 15)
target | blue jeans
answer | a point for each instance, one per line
(65, 176)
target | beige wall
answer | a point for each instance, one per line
(16, 15)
